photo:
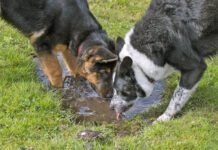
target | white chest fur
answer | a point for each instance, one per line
(141, 60)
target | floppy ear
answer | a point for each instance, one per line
(105, 56)
(125, 65)
(119, 45)
(99, 55)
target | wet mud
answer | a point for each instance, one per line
(79, 96)
(90, 109)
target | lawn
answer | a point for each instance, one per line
(31, 116)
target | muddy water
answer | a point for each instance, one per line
(90, 109)
(79, 96)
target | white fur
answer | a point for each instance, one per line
(179, 99)
(113, 80)
(117, 102)
(148, 66)
(143, 81)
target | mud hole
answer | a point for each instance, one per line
(78, 96)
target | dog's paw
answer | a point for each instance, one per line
(163, 118)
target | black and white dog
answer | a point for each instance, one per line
(172, 35)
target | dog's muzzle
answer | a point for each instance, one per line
(118, 104)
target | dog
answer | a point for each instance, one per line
(173, 35)
(69, 27)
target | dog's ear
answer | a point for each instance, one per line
(126, 65)
(119, 44)
(99, 55)
(105, 56)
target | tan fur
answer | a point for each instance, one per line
(98, 58)
(70, 61)
(52, 69)
(35, 35)
(92, 77)
(59, 48)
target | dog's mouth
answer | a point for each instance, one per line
(119, 115)
(120, 109)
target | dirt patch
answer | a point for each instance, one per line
(79, 96)
(91, 109)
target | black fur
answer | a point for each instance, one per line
(66, 22)
(180, 33)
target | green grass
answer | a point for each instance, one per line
(31, 117)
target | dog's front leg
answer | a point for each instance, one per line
(183, 92)
(51, 68)
(70, 61)
(180, 97)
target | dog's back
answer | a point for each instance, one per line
(202, 18)
(59, 15)
(27, 15)
(190, 23)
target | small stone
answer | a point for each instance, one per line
(89, 135)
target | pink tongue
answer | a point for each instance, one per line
(119, 116)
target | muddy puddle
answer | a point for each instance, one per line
(82, 100)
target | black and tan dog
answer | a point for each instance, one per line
(67, 26)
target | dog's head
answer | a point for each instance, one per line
(96, 64)
(126, 87)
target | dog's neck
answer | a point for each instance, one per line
(96, 38)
